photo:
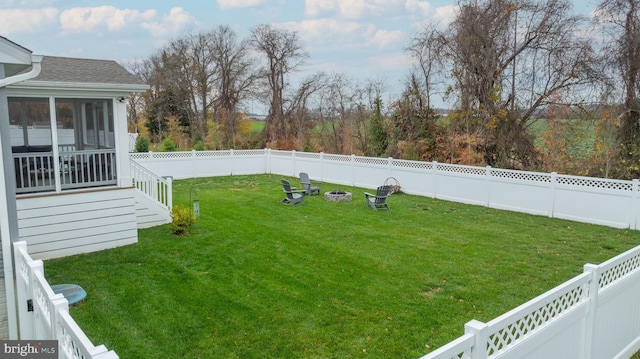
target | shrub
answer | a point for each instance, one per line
(142, 144)
(182, 219)
(199, 146)
(168, 145)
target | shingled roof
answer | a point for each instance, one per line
(74, 70)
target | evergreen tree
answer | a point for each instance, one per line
(377, 130)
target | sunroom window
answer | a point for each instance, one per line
(77, 151)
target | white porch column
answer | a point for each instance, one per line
(121, 137)
(53, 121)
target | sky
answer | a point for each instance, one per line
(363, 39)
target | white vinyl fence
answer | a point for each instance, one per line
(596, 315)
(44, 315)
(613, 203)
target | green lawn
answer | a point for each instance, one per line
(258, 279)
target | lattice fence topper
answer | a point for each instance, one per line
(212, 153)
(315, 156)
(523, 176)
(480, 171)
(170, 155)
(623, 269)
(504, 338)
(595, 183)
(280, 153)
(337, 158)
(372, 161)
(412, 164)
(252, 152)
(394, 185)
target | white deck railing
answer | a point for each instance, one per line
(155, 187)
(41, 172)
(44, 315)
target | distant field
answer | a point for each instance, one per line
(579, 135)
(258, 126)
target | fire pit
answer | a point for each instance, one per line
(337, 196)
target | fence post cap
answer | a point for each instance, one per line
(590, 267)
(474, 326)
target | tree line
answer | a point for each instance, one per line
(533, 86)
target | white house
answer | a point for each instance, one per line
(66, 174)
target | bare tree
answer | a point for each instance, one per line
(621, 20)
(415, 130)
(283, 55)
(365, 99)
(234, 80)
(337, 110)
(425, 49)
(195, 55)
(508, 59)
(343, 109)
(137, 102)
(297, 109)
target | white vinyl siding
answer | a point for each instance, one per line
(149, 212)
(67, 224)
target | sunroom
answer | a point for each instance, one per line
(63, 125)
(66, 154)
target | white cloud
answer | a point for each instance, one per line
(111, 19)
(417, 5)
(26, 3)
(315, 7)
(332, 31)
(383, 38)
(26, 20)
(354, 9)
(395, 61)
(343, 34)
(231, 4)
(444, 15)
(91, 18)
(439, 17)
(349, 9)
(177, 20)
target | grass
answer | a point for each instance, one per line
(258, 279)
